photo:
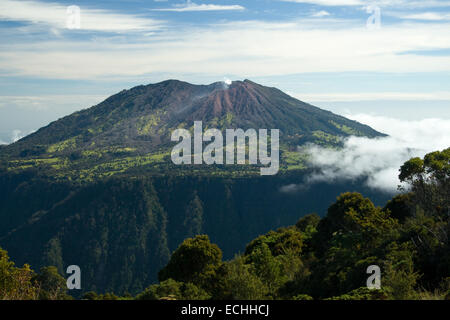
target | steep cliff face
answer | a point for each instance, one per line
(121, 232)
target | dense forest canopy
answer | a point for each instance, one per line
(317, 258)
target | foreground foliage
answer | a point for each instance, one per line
(314, 259)
(328, 258)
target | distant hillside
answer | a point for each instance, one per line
(121, 231)
(132, 128)
(98, 188)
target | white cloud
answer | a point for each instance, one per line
(320, 14)
(14, 136)
(55, 15)
(428, 16)
(373, 96)
(48, 102)
(382, 3)
(235, 48)
(17, 135)
(330, 2)
(408, 4)
(191, 6)
(21, 115)
(227, 81)
(378, 160)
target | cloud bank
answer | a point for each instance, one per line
(374, 96)
(55, 15)
(190, 6)
(377, 161)
(330, 2)
(384, 3)
(235, 48)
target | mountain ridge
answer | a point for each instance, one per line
(138, 122)
(98, 189)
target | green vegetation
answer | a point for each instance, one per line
(93, 164)
(24, 284)
(292, 160)
(327, 258)
(124, 227)
(326, 138)
(99, 184)
(131, 131)
(346, 129)
(63, 145)
(317, 258)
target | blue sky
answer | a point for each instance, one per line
(335, 54)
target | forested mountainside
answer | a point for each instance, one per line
(331, 257)
(131, 129)
(121, 231)
(98, 188)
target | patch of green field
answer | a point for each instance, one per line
(292, 160)
(147, 124)
(63, 145)
(99, 153)
(110, 168)
(326, 137)
(95, 130)
(18, 165)
(106, 162)
(346, 129)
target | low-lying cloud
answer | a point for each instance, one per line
(377, 161)
(15, 135)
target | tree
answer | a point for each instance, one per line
(240, 283)
(51, 284)
(348, 239)
(194, 216)
(167, 288)
(429, 180)
(400, 207)
(280, 241)
(363, 293)
(91, 295)
(267, 268)
(191, 292)
(429, 229)
(307, 225)
(192, 258)
(15, 283)
(399, 277)
(171, 289)
(355, 220)
(411, 170)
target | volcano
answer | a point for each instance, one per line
(132, 128)
(98, 189)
